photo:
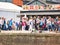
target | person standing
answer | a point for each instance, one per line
(38, 21)
(23, 25)
(17, 26)
(0, 23)
(49, 24)
(4, 24)
(27, 24)
(10, 24)
(41, 23)
(35, 23)
(20, 25)
(30, 23)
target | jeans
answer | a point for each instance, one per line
(53, 27)
(49, 27)
(10, 28)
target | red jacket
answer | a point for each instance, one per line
(23, 23)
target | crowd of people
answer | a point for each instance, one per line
(9, 25)
(41, 23)
(37, 23)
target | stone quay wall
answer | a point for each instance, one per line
(29, 39)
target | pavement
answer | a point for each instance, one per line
(14, 31)
(24, 31)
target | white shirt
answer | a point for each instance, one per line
(48, 22)
(1, 21)
(31, 21)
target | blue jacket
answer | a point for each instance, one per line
(10, 23)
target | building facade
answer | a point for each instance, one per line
(24, 2)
